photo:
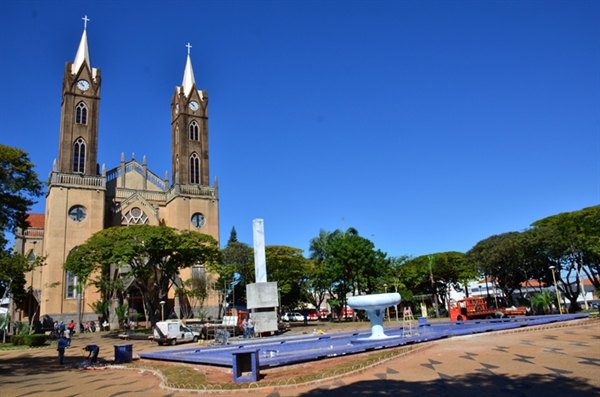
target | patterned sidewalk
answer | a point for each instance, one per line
(548, 361)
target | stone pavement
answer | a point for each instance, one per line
(547, 361)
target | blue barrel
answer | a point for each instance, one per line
(123, 354)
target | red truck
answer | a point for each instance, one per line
(476, 308)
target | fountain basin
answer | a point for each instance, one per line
(375, 306)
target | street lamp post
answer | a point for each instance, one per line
(162, 310)
(387, 309)
(556, 288)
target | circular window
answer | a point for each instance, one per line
(77, 213)
(198, 219)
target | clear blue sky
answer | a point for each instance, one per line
(427, 126)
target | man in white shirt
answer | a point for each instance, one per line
(251, 328)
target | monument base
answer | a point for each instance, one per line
(263, 302)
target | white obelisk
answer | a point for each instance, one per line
(260, 261)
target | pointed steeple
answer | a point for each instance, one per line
(188, 74)
(83, 52)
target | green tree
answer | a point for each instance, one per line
(151, 255)
(433, 275)
(13, 267)
(351, 264)
(290, 269)
(318, 282)
(232, 236)
(19, 185)
(544, 300)
(576, 244)
(237, 269)
(101, 308)
(111, 287)
(121, 311)
(503, 258)
(196, 291)
(399, 278)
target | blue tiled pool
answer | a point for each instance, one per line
(278, 351)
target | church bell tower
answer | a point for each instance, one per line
(76, 192)
(78, 147)
(189, 126)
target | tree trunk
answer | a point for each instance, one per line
(78, 325)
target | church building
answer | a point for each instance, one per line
(84, 198)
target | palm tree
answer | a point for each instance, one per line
(544, 300)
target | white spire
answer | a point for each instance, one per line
(83, 51)
(188, 74)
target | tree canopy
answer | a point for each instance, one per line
(19, 185)
(574, 244)
(345, 262)
(152, 255)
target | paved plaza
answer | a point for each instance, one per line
(552, 360)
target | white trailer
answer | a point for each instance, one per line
(173, 332)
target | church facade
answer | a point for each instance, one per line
(84, 198)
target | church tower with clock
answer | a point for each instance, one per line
(83, 198)
(75, 204)
(78, 147)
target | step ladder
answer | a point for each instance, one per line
(409, 327)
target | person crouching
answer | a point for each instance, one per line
(93, 351)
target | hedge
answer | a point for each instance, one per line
(29, 340)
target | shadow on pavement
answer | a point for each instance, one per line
(471, 385)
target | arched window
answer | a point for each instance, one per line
(194, 169)
(135, 216)
(70, 285)
(194, 131)
(81, 113)
(79, 156)
(177, 133)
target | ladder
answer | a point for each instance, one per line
(408, 324)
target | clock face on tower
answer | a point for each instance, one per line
(83, 85)
(193, 105)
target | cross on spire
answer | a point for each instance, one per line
(85, 21)
(188, 47)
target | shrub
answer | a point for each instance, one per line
(37, 339)
(17, 339)
(29, 340)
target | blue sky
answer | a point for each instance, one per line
(427, 126)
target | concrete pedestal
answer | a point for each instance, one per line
(246, 366)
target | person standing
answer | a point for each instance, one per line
(245, 327)
(68, 336)
(251, 328)
(61, 328)
(62, 345)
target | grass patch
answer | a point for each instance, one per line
(362, 361)
(186, 377)
(10, 346)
